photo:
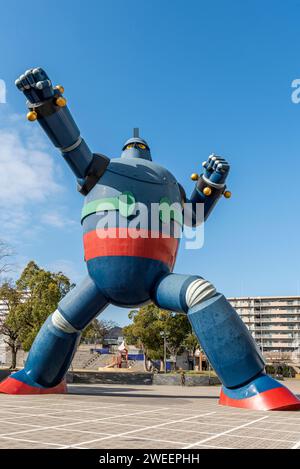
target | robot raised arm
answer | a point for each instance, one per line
(210, 185)
(47, 105)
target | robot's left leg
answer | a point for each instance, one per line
(226, 342)
(53, 349)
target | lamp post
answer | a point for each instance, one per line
(165, 352)
(163, 334)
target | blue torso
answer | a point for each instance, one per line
(126, 270)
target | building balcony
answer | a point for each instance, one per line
(278, 336)
(273, 320)
(277, 345)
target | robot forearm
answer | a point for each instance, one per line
(208, 193)
(57, 122)
(47, 105)
(210, 185)
(55, 118)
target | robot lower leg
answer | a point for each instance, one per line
(54, 347)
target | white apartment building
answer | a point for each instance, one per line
(3, 347)
(274, 322)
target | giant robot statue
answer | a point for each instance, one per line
(132, 266)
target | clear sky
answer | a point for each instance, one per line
(196, 77)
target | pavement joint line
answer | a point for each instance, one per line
(238, 436)
(207, 446)
(16, 419)
(286, 422)
(261, 438)
(275, 430)
(21, 398)
(91, 408)
(22, 424)
(191, 431)
(112, 434)
(217, 447)
(233, 415)
(296, 445)
(54, 427)
(75, 420)
(32, 441)
(39, 427)
(53, 413)
(259, 428)
(226, 432)
(187, 431)
(61, 405)
(287, 419)
(147, 418)
(85, 431)
(36, 406)
(145, 428)
(91, 431)
(179, 443)
(44, 410)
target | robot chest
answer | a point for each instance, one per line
(131, 193)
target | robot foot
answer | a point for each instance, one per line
(262, 393)
(20, 383)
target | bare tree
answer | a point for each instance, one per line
(6, 330)
(10, 338)
(6, 254)
(10, 326)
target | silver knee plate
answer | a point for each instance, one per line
(61, 323)
(198, 291)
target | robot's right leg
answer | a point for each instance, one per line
(53, 349)
(226, 342)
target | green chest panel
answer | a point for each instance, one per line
(125, 203)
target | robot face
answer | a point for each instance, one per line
(135, 145)
(136, 148)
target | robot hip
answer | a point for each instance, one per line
(125, 267)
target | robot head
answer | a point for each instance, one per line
(136, 147)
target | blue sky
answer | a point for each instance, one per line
(196, 77)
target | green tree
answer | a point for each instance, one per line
(176, 327)
(144, 332)
(10, 327)
(191, 343)
(41, 292)
(150, 325)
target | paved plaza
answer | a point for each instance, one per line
(119, 416)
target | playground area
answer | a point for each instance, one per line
(137, 416)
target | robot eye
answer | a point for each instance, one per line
(129, 146)
(142, 146)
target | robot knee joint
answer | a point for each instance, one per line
(198, 291)
(61, 323)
